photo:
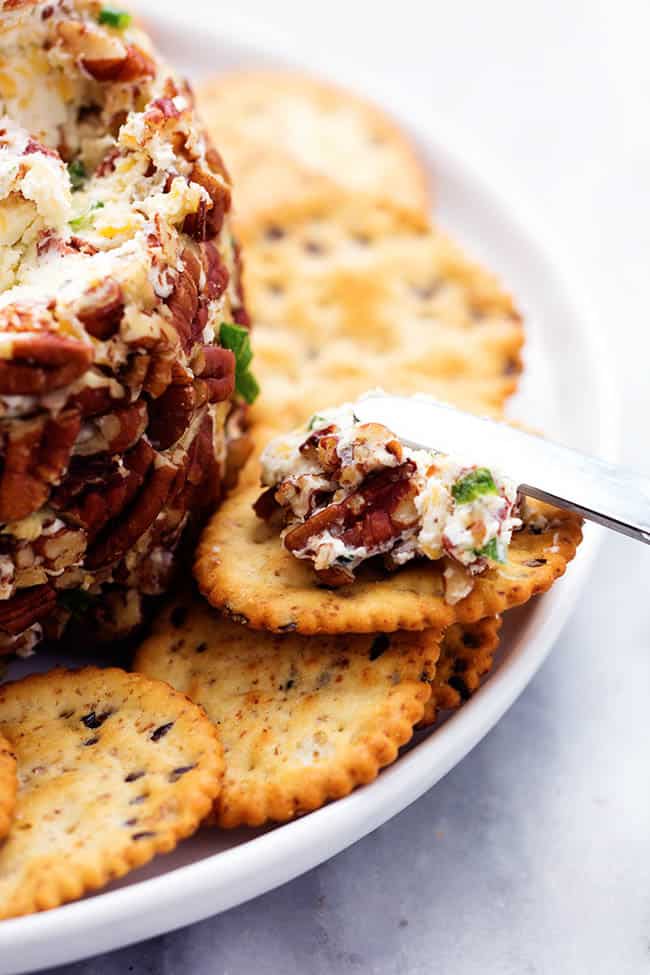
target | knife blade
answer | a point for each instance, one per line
(599, 491)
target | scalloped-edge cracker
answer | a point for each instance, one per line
(322, 127)
(350, 293)
(243, 569)
(466, 656)
(8, 785)
(112, 769)
(302, 719)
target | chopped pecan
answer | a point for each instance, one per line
(36, 453)
(266, 506)
(100, 309)
(26, 608)
(321, 447)
(160, 110)
(60, 549)
(363, 518)
(160, 372)
(118, 538)
(82, 246)
(135, 373)
(121, 429)
(34, 146)
(181, 375)
(89, 42)
(107, 165)
(135, 65)
(95, 400)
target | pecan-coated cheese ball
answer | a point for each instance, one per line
(123, 347)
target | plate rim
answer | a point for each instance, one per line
(142, 909)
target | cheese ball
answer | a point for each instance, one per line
(122, 321)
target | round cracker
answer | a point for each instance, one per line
(112, 768)
(324, 128)
(349, 294)
(302, 719)
(242, 568)
(8, 786)
(466, 656)
(265, 176)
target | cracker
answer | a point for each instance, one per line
(265, 176)
(295, 385)
(323, 127)
(358, 293)
(112, 769)
(8, 785)
(466, 655)
(243, 569)
(302, 719)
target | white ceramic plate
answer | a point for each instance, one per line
(566, 391)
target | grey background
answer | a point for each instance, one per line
(533, 855)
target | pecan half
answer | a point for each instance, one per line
(98, 489)
(36, 453)
(26, 608)
(239, 313)
(41, 362)
(184, 300)
(118, 538)
(170, 415)
(217, 165)
(219, 193)
(216, 272)
(202, 482)
(100, 309)
(217, 367)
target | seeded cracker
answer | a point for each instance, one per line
(113, 768)
(466, 655)
(349, 291)
(242, 568)
(302, 720)
(8, 785)
(322, 127)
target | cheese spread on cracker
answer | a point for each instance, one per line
(350, 491)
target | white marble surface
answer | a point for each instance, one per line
(533, 855)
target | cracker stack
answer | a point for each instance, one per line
(313, 689)
(300, 694)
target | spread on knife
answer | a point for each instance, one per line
(349, 491)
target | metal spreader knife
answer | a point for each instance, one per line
(599, 491)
